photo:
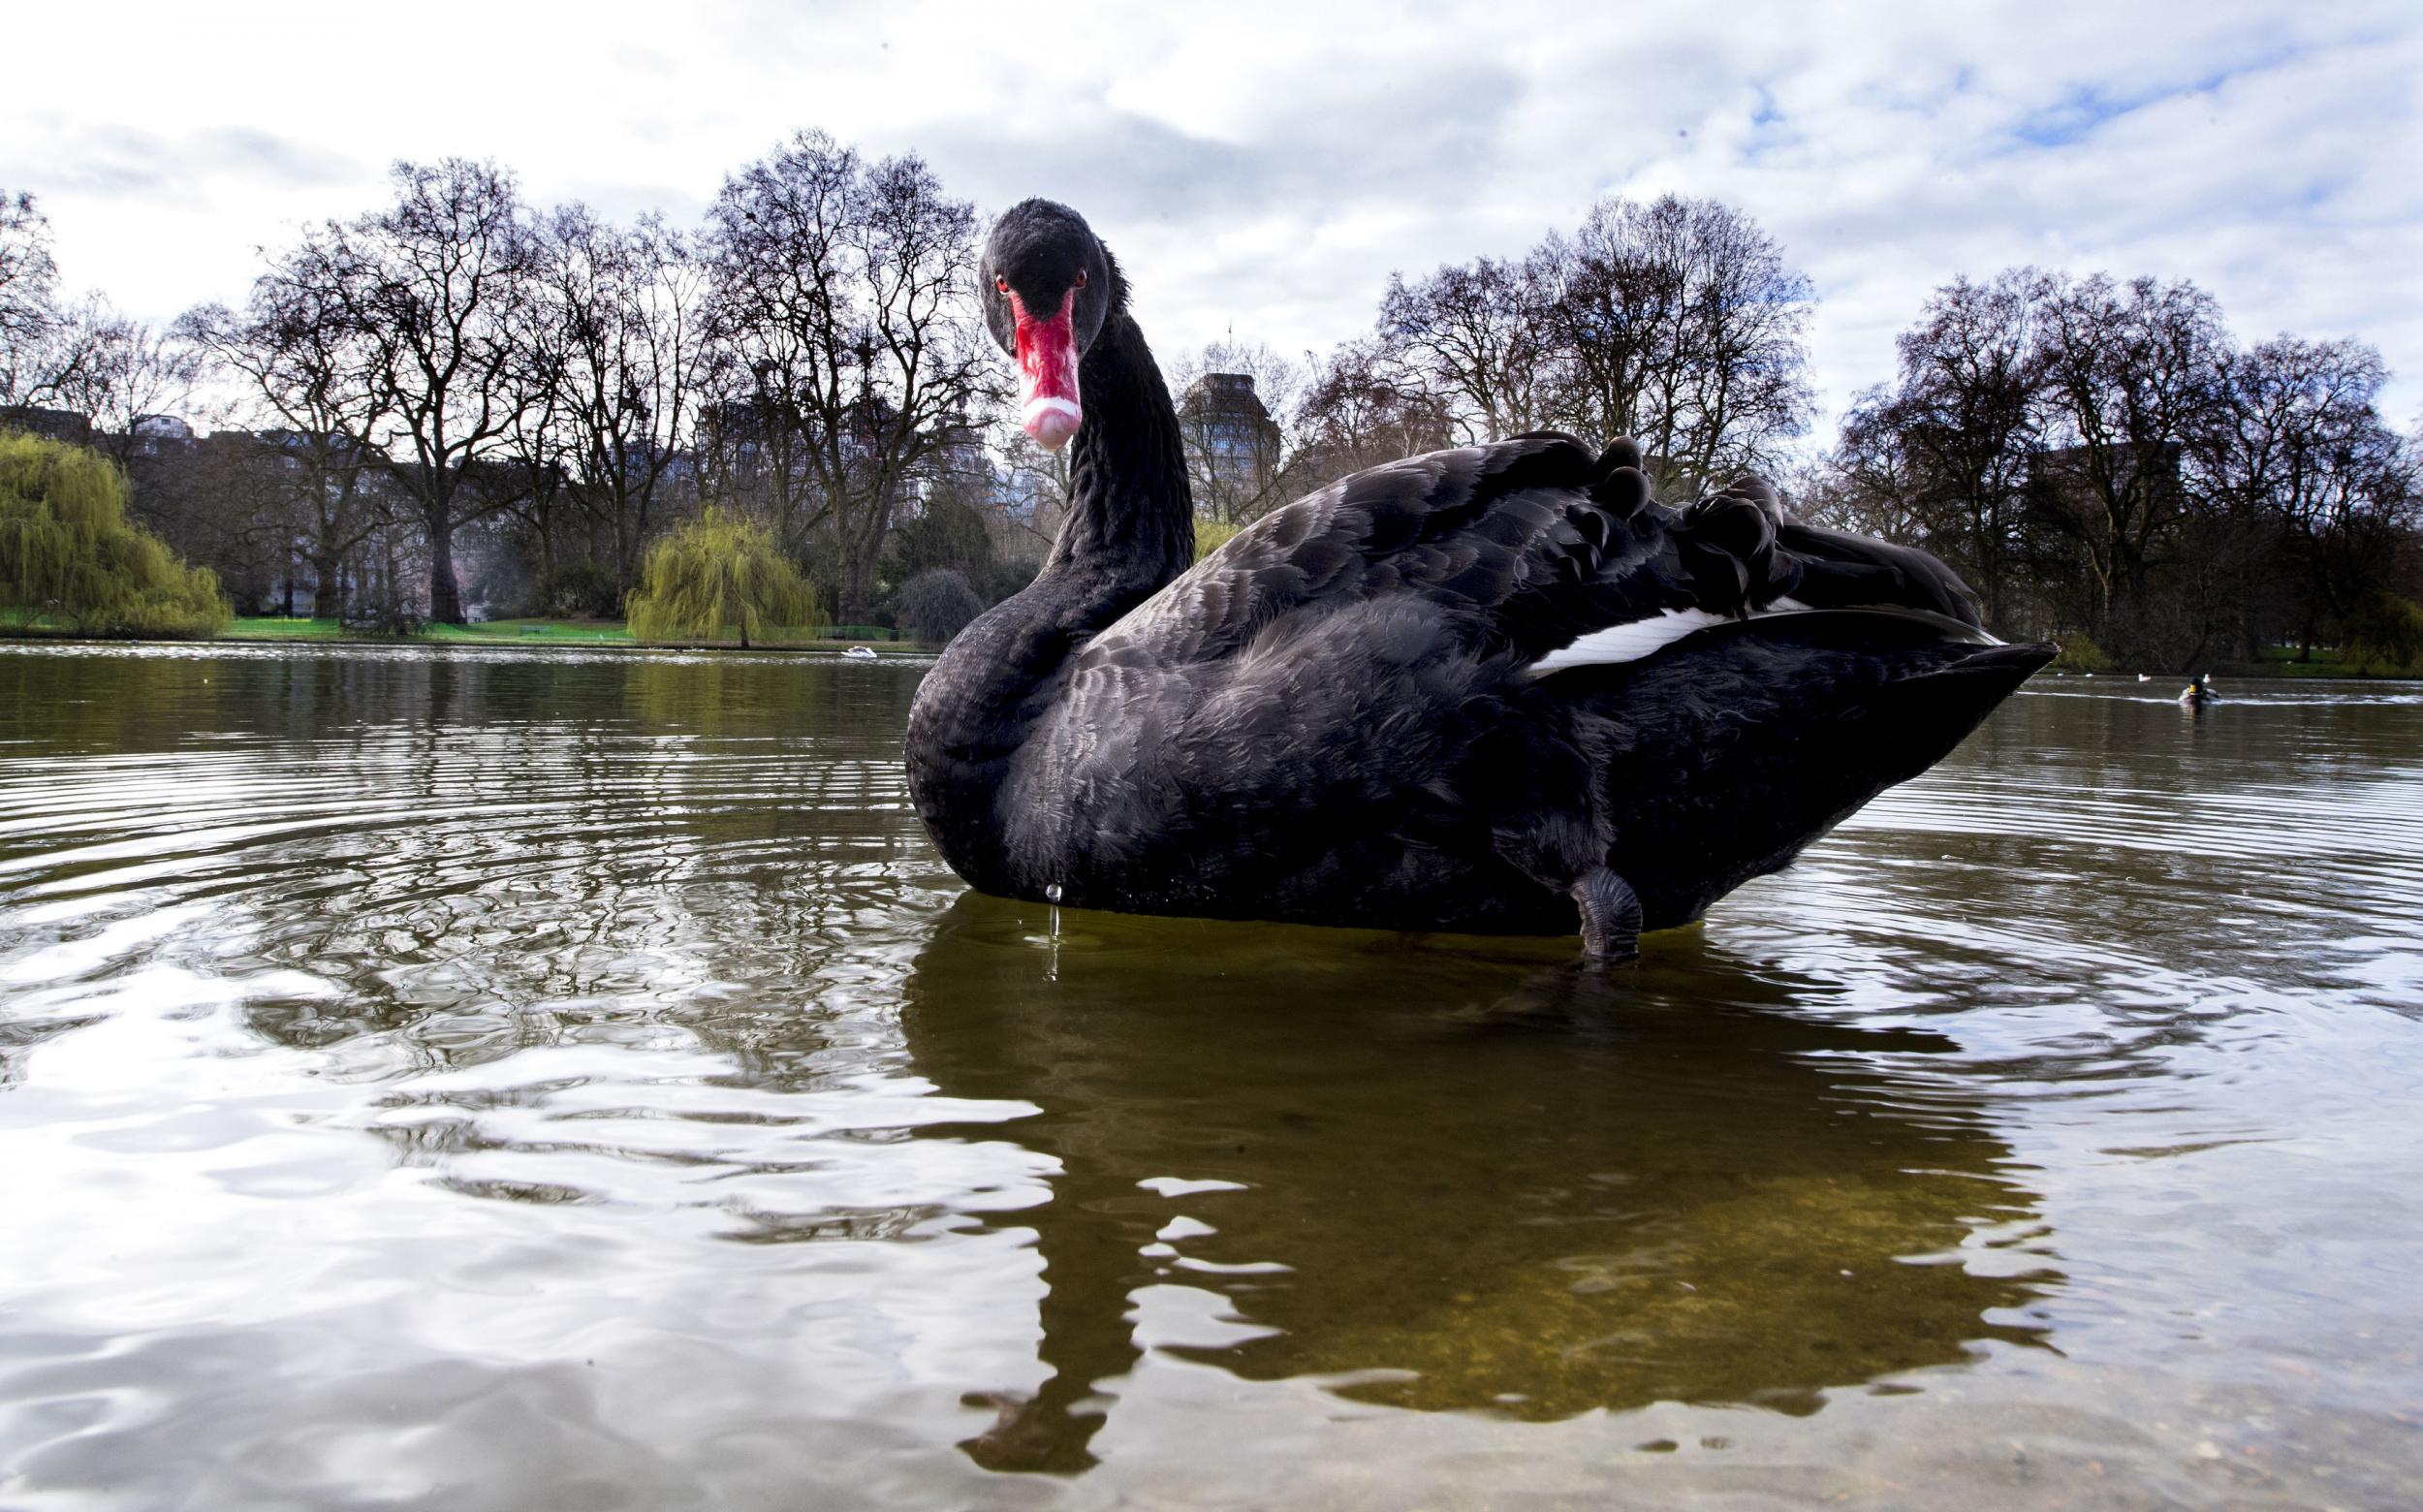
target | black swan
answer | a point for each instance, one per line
(1493, 689)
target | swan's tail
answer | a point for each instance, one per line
(1746, 554)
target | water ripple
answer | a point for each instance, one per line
(491, 1077)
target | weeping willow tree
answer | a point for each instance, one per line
(716, 577)
(71, 560)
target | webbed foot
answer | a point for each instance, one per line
(1611, 916)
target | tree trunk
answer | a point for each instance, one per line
(856, 589)
(626, 568)
(862, 562)
(547, 563)
(328, 587)
(445, 593)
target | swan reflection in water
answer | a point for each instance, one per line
(1558, 1193)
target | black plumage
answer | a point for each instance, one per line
(1370, 708)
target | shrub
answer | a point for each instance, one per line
(938, 604)
(2385, 635)
(1211, 535)
(69, 554)
(582, 591)
(379, 612)
(1004, 579)
(947, 534)
(718, 577)
(2080, 653)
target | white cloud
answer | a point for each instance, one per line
(1266, 166)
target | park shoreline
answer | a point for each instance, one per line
(612, 636)
(560, 635)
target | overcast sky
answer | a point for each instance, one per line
(1265, 168)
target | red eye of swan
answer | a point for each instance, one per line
(1001, 283)
(1081, 278)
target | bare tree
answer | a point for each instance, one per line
(438, 287)
(2096, 456)
(2133, 378)
(1620, 318)
(2303, 447)
(1357, 412)
(1041, 489)
(1677, 322)
(82, 355)
(1871, 481)
(1955, 435)
(118, 372)
(29, 293)
(1475, 338)
(308, 373)
(849, 341)
(528, 482)
(621, 352)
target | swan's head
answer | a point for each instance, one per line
(1047, 287)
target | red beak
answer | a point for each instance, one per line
(1047, 371)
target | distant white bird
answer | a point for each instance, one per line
(860, 653)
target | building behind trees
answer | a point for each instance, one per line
(1232, 447)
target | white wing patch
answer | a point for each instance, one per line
(1626, 641)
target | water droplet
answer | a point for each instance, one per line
(1052, 893)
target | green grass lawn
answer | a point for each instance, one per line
(2281, 661)
(272, 628)
(524, 632)
(541, 632)
(513, 632)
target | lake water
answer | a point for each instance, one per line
(473, 1080)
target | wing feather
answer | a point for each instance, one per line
(1522, 547)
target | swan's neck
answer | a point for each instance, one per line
(1132, 523)
(1130, 530)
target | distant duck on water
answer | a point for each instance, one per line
(2198, 694)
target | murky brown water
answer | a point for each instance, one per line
(485, 1080)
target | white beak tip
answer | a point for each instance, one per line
(1052, 421)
